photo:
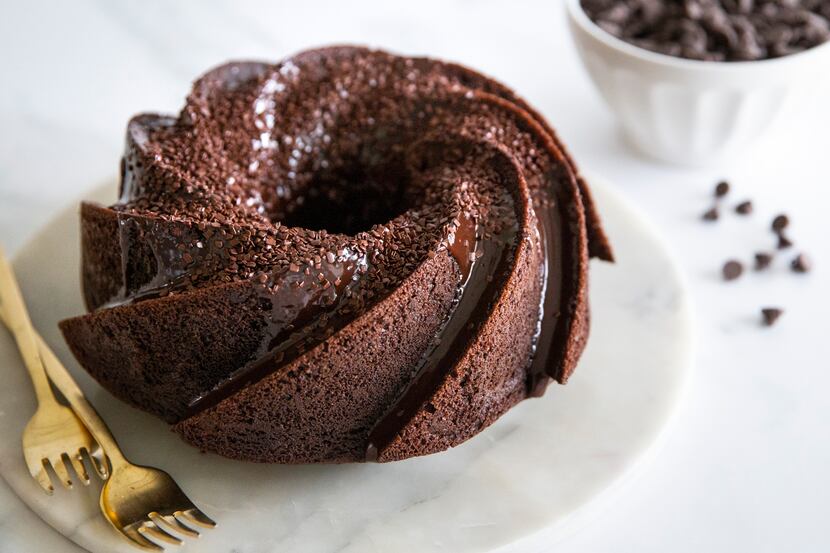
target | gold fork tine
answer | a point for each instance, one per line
(77, 464)
(41, 476)
(151, 529)
(132, 534)
(96, 460)
(171, 522)
(60, 470)
(198, 517)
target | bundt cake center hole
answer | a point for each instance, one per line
(349, 201)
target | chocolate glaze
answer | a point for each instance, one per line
(176, 254)
(304, 304)
(481, 261)
(463, 245)
(548, 345)
(480, 284)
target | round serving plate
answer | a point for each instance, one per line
(516, 485)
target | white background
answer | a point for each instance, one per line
(747, 464)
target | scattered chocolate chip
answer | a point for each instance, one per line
(784, 242)
(732, 269)
(721, 189)
(780, 222)
(801, 264)
(744, 208)
(762, 261)
(770, 315)
(710, 214)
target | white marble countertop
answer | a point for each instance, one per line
(745, 467)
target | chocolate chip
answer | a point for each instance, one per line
(715, 30)
(721, 189)
(784, 242)
(732, 269)
(801, 264)
(710, 214)
(780, 222)
(762, 261)
(744, 208)
(770, 315)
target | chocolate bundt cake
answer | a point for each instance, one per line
(344, 256)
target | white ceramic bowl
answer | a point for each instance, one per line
(692, 112)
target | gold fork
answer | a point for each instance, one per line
(138, 501)
(54, 438)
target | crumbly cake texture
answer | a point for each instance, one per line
(345, 256)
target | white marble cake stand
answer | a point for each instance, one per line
(517, 482)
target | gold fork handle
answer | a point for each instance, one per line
(17, 319)
(40, 360)
(64, 382)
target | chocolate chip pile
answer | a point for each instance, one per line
(715, 30)
(733, 269)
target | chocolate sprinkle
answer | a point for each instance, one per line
(770, 315)
(732, 269)
(721, 189)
